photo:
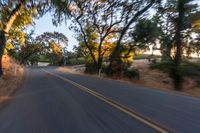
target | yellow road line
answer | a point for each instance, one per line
(117, 105)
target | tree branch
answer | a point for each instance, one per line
(13, 16)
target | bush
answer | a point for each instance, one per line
(145, 56)
(76, 61)
(131, 73)
(164, 66)
(90, 68)
(104, 67)
(190, 69)
(117, 68)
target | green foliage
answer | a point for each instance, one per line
(78, 51)
(43, 58)
(186, 68)
(76, 57)
(90, 68)
(131, 73)
(54, 46)
(190, 69)
(61, 10)
(146, 31)
(55, 53)
(164, 66)
(48, 37)
(25, 54)
(76, 61)
(141, 56)
(145, 56)
(108, 31)
(29, 53)
(33, 59)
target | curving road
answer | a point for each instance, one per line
(51, 101)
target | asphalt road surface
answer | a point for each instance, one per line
(51, 101)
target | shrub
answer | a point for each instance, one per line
(131, 73)
(90, 68)
(190, 69)
(104, 67)
(164, 66)
(76, 61)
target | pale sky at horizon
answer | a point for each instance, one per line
(44, 24)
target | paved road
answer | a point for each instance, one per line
(50, 104)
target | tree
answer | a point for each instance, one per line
(78, 51)
(104, 17)
(29, 53)
(15, 9)
(141, 38)
(174, 20)
(181, 25)
(166, 15)
(93, 17)
(14, 13)
(55, 53)
(54, 44)
(132, 11)
(48, 37)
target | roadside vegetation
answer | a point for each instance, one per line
(10, 82)
(111, 35)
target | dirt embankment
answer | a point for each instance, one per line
(11, 79)
(158, 80)
(152, 78)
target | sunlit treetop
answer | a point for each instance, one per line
(48, 37)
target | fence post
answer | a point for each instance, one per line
(15, 70)
(100, 72)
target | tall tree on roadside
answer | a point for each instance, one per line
(94, 17)
(14, 9)
(10, 20)
(166, 15)
(28, 53)
(181, 25)
(132, 10)
(53, 44)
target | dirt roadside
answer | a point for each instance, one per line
(10, 82)
(154, 79)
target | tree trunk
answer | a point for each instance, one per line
(100, 60)
(6, 29)
(115, 55)
(166, 52)
(176, 74)
(2, 46)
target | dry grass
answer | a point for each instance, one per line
(10, 82)
(158, 80)
(154, 79)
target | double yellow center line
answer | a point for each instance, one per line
(126, 110)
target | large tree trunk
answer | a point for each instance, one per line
(2, 46)
(6, 29)
(175, 73)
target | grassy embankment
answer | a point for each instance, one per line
(9, 82)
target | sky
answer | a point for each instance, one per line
(44, 24)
